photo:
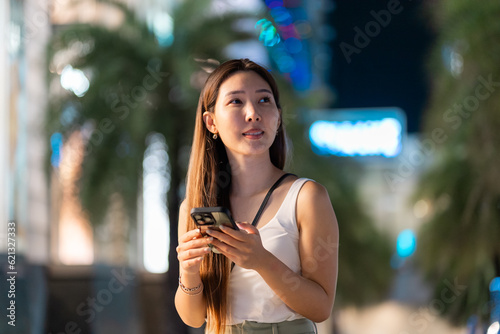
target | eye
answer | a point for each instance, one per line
(235, 101)
(265, 99)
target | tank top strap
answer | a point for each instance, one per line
(248, 292)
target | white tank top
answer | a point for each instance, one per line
(250, 298)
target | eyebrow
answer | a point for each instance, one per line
(242, 91)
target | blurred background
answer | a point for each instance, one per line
(391, 104)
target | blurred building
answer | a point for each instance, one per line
(54, 244)
(27, 26)
(27, 30)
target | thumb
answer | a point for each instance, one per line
(249, 228)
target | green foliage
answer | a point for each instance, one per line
(460, 240)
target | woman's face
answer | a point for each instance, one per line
(246, 117)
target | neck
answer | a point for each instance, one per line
(251, 176)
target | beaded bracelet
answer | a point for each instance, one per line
(188, 291)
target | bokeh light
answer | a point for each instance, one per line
(56, 143)
(406, 243)
(421, 208)
(494, 328)
(286, 41)
(268, 34)
(74, 80)
(282, 16)
(495, 285)
(293, 45)
(156, 182)
(357, 138)
(162, 25)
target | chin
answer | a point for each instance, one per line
(255, 152)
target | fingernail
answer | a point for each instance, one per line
(209, 231)
(222, 227)
(208, 249)
(210, 239)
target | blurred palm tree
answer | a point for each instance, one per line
(460, 242)
(137, 87)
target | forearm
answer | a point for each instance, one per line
(302, 295)
(191, 307)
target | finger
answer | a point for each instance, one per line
(216, 234)
(249, 228)
(193, 244)
(224, 249)
(225, 238)
(190, 235)
(192, 254)
(192, 262)
(240, 235)
(219, 235)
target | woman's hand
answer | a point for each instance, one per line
(243, 247)
(191, 250)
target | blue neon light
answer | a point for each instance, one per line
(268, 34)
(288, 50)
(495, 284)
(282, 16)
(293, 45)
(56, 143)
(406, 243)
(357, 138)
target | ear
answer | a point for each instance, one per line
(209, 120)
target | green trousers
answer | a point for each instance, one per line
(299, 326)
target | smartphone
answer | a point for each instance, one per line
(211, 218)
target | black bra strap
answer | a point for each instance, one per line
(264, 202)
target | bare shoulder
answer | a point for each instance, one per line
(312, 194)
(314, 207)
(312, 190)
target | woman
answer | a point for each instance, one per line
(281, 274)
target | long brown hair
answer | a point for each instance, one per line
(209, 181)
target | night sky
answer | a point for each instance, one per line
(386, 68)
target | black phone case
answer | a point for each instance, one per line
(213, 217)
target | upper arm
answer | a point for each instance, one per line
(319, 237)
(183, 212)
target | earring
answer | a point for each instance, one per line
(215, 136)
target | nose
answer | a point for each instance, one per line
(252, 113)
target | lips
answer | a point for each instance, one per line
(253, 133)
